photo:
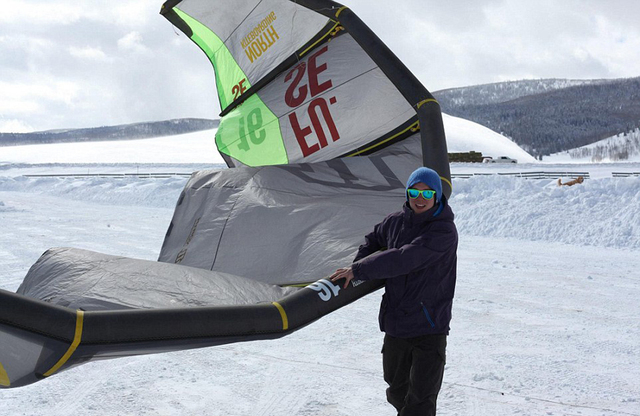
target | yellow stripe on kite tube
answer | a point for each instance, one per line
(76, 341)
(320, 40)
(283, 315)
(297, 284)
(412, 127)
(340, 10)
(429, 100)
(447, 181)
(4, 377)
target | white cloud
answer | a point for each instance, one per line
(39, 13)
(616, 47)
(460, 43)
(132, 42)
(24, 98)
(87, 52)
(134, 13)
(14, 126)
(126, 13)
(19, 107)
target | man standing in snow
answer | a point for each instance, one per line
(415, 251)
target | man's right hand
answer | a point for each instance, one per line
(346, 273)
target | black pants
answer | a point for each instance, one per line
(413, 368)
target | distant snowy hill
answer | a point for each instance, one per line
(500, 92)
(623, 147)
(549, 116)
(199, 147)
(105, 133)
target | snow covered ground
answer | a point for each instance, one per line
(545, 316)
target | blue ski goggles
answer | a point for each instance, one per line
(426, 194)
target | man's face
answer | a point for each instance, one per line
(419, 204)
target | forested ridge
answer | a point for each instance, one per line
(120, 132)
(549, 116)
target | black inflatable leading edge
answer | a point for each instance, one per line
(51, 338)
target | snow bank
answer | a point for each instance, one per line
(132, 191)
(599, 212)
(464, 135)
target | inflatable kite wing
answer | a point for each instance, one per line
(306, 81)
(320, 126)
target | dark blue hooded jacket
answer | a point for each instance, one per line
(418, 261)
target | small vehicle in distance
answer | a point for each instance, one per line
(501, 159)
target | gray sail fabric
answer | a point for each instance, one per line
(237, 235)
(287, 224)
(82, 279)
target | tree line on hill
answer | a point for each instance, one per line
(619, 148)
(549, 116)
(121, 132)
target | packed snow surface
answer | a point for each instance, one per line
(545, 318)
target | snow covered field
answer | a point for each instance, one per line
(546, 315)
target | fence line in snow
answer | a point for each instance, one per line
(154, 175)
(624, 174)
(526, 175)
(157, 175)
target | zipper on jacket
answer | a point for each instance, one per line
(426, 313)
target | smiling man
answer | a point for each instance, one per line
(415, 251)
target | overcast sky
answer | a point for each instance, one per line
(70, 64)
